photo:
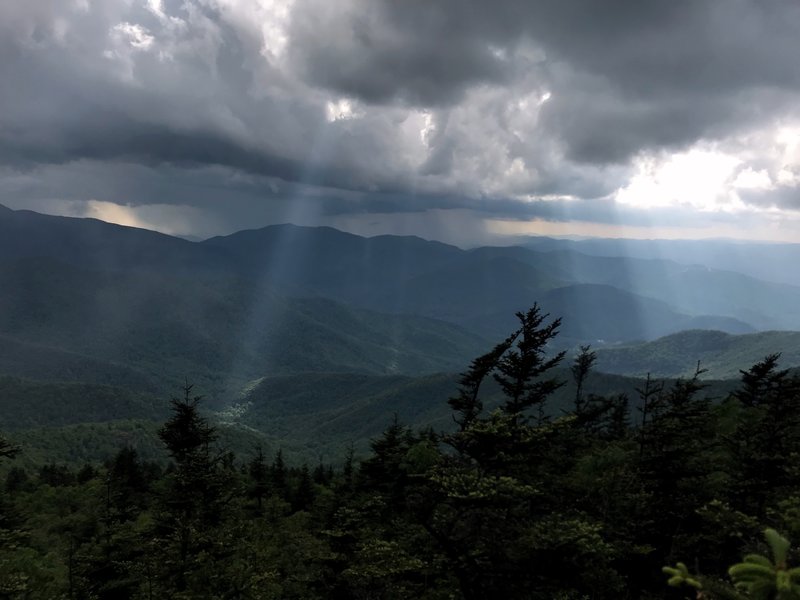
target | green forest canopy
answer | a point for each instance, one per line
(514, 502)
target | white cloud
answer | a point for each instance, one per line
(699, 179)
(341, 109)
(135, 35)
(750, 179)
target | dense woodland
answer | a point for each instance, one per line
(514, 502)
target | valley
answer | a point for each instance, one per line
(312, 339)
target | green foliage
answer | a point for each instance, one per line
(138, 328)
(26, 404)
(581, 366)
(757, 576)
(532, 490)
(767, 426)
(520, 369)
(679, 575)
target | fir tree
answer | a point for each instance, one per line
(765, 445)
(259, 472)
(200, 486)
(278, 473)
(520, 369)
(580, 369)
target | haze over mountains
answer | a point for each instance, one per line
(414, 276)
(775, 262)
(248, 317)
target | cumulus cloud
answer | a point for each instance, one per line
(304, 109)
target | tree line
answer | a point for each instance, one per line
(513, 502)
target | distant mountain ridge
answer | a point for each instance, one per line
(770, 261)
(723, 355)
(602, 299)
(310, 338)
(693, 290)
(95, 244)
(166, 328)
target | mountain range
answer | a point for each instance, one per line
(479, 289)
(721, 355)
(306, 337)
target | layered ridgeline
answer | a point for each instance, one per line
(769, 261)
(721, 355)
(322, 414)
(630, 299)
(150, 327)
(311, 417)
(310, 338)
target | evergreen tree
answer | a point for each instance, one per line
(194, 502)
(7, 449)
(496, 507)
(127, 483)
(679, 469)
(765, 446)
(259, 472)
(467, 404)
(278, 473)
(12, 577)
(580, 369)
(383, 471)
(303, 495)
(519, 371)
(757, 577)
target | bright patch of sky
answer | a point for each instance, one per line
(698, 179)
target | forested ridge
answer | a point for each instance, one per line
(515, 502)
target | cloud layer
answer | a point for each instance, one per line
(250, 111)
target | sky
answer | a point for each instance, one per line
(460, 120)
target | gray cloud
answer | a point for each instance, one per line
(510, 109)
(783, 197)
(625, 76)
(420, 53)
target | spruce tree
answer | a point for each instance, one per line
(496, 505)
(194, 502)
(765, 446)
(259, 472)
(519, 371)
(580, 369)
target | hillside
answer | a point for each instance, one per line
(42, 362)
(321, 414)
(96, 244)
(478, 289)
(722, 354)
(769, 261)
(219, 330)
(26, 404)
(692, 289)
(309, 416)
(329, 333)
(607, 314)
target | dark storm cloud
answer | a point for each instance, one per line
(383, 106)
(626, 76)
(595, 210)
(423, 53)
(59, 110)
